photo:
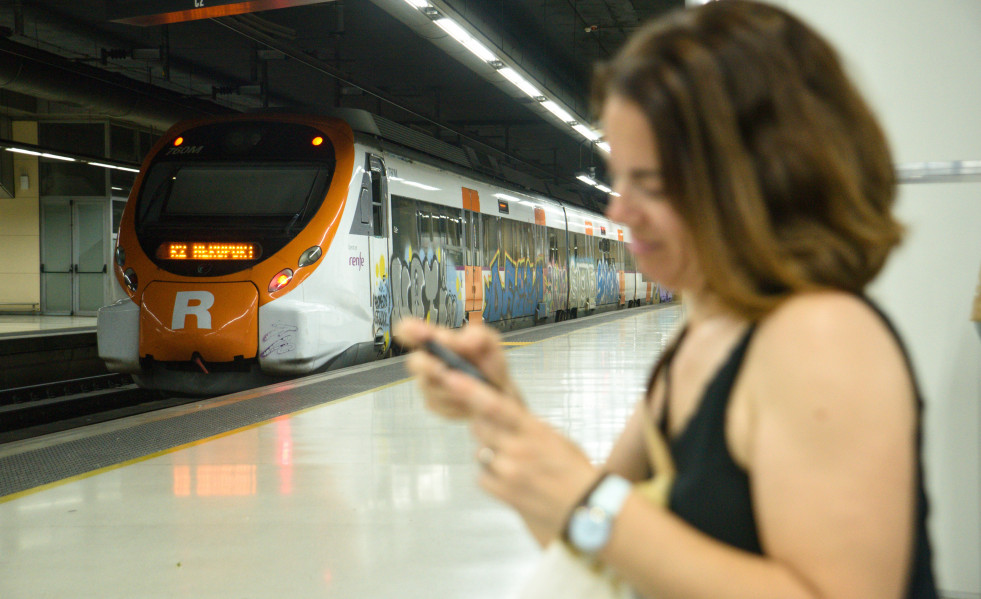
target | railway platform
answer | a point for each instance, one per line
(336, 485)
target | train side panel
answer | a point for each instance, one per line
(327, 318)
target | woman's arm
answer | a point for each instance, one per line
(831, 454)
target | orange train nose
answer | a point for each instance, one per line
(218, 321)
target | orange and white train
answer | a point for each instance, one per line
(261, 246)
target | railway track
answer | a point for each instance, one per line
(35, 410)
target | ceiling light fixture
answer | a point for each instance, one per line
(587, 132)
(520, 82)
(460, 34)
(32, 150)
(558, 111)
(438, 14)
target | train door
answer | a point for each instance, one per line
(474, 256)
(539, 257)
(75, 238)
(379, 252)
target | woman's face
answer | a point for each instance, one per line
(661, 241)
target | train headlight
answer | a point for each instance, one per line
(310, 256)
(280, 279)
(129, 276)
(120, 256)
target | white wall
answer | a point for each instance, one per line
(919, 64)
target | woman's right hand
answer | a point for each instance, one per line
(476, 343)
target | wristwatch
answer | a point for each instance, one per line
(591, 522)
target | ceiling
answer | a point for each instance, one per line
(154, 62)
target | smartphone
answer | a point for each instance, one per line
(455, 361)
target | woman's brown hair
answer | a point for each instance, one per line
(767, 150)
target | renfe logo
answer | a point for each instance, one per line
(183, 308)
(356, 260)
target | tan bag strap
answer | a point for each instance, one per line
(657, 448)
(658, 488)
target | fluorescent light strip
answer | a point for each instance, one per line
(460, 34)
(603, 188)
(558, 111)
(520, 82)
(121, 168)
(57, 157)
(587, 132)
(69, 159)
(418, 3)
(19, 151)
(604, 146)
(586, 180)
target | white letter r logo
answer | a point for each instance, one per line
(183, 308)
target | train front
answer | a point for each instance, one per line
(226, 217)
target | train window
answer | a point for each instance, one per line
(525, 236)
(259, 191)
(365, 205)
(377, 205)
(452, 251)
(492, 230)
(456, 230)
(405, 233)
(442, 235)
(506, 249)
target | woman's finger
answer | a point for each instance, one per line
(412, 332)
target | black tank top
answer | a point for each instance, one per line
(712, 493)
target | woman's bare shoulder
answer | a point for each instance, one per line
(823, 320)
(833, 341)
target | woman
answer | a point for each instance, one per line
(756, 182)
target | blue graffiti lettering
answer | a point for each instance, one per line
(607, 283)
(520, 292)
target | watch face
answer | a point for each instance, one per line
(589, 529)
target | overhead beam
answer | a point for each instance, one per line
(162, 12)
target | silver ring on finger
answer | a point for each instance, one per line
(485, 455)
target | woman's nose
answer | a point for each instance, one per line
(615, 207)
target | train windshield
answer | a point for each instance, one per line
(257, 183)
(233, 190)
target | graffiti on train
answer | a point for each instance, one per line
(607, 283)
(426, 286)
(556, 287)
(582, 281)
(518, 294)
(381, 302)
